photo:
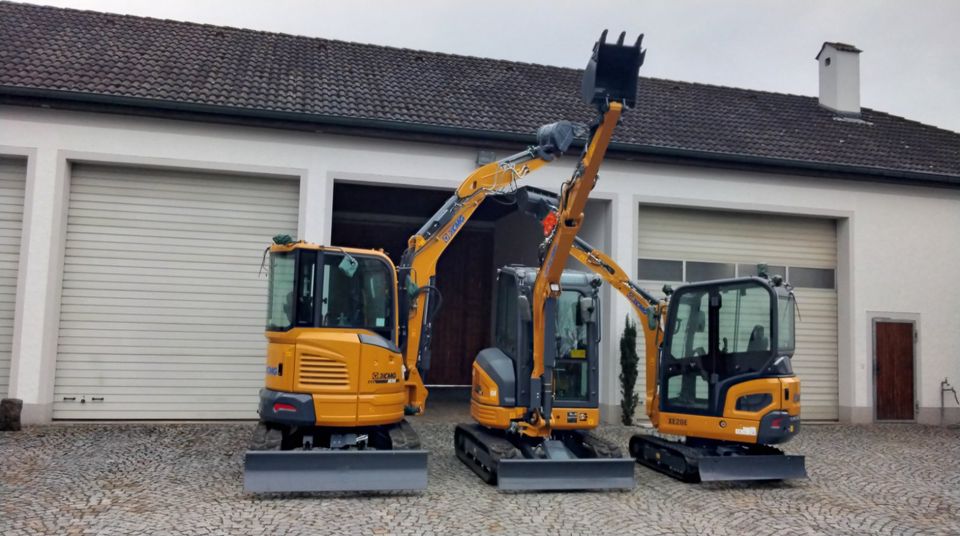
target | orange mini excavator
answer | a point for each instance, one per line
(719, 378)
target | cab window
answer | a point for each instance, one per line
(280, 299)
(356, 292)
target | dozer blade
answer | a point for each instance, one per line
(334, 470)
(758, 467)
(574, 474)
(611, 75)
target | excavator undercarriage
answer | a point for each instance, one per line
(571, 460)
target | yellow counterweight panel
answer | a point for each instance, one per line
(382, 408)
(328, 367)
(280, 366)
(769, 386)
(736, 425)
(335, 410)
(486, 410)
(382, 395)
(791, 403)
(485, 391)
(494, 416)
(720, 428)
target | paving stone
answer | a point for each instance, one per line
(187, 479)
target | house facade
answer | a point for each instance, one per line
(145, 165)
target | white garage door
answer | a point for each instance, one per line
(163, 305)
(678, 245)
(13, 172)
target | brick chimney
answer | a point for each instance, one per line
(840, 78)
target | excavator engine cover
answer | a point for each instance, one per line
(611, 75)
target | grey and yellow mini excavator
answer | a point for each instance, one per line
(535, 396)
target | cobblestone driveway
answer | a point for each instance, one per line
(186, 479)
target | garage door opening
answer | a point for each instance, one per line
(384, 217)
(13, 172)
(677, 245)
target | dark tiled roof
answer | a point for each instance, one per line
(160, 62)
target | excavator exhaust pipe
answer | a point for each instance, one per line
(291, 471)
(612, 72)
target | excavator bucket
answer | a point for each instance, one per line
(565, 475)
(770, 467)
(611, 75)
(334, 470)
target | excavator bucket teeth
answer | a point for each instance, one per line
(334, 470)
(760, 467)
(612, 72)
(559, 475)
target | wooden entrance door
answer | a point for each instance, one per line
(894, 370)
(465, 279)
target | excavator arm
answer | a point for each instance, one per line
(542, 205)
(546, 287)
(420, 297)
(610, 85)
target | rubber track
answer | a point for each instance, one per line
(690, 471)
(404, 437)
(497, 448)
(265, 438)
(601, 447)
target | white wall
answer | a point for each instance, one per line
(899, 247)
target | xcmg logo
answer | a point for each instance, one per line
(636, 301)
(383, 377)
(453, 228)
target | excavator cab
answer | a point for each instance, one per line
(498, 397)
(726, 383)
(727, 353)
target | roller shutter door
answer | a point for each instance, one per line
(162, 308)
(701, 243)
(13, 172)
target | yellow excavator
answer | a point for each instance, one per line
(720, 388)
(349, 333)
(534, 396)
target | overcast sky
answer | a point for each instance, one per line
(910, 65)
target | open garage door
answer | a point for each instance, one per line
(162, 308)
(13, 172)
(384, 217)
(676, 245)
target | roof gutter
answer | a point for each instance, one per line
(883, 174)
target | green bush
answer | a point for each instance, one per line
(629, 361)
